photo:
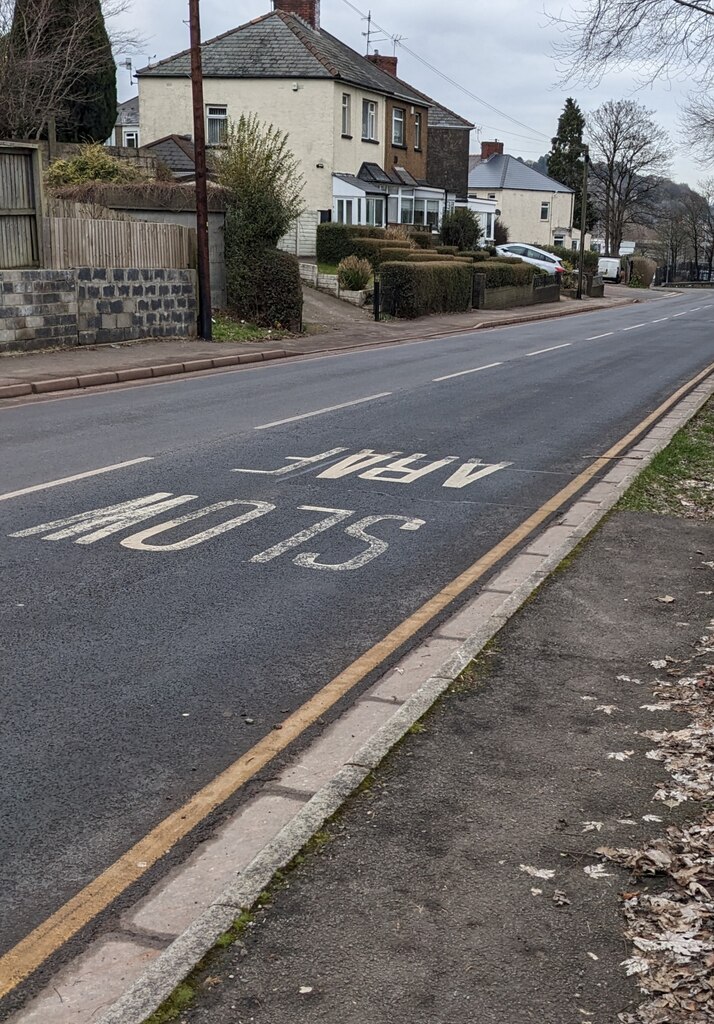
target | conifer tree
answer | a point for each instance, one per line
(565, 160)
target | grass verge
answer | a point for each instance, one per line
(228, 328)
(680, 480)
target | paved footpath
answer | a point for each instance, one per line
(416, 909)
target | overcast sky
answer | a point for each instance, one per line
(501, 52)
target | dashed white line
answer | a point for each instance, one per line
(541, 351)
(680, 314)
(695, 310)
(321, 412)
(660, 321)
(462, 373)
(71, 479)
(597, 337)
(634, 327)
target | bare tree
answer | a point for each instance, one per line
(693, 208)
(706, 191)
(629, 155)
(38, 82)
(672, 243)
(661, 38)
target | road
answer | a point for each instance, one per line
(284, 519)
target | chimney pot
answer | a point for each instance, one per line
(489, 149)
(384, 62)
(308, 10)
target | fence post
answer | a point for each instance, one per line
(377, 300)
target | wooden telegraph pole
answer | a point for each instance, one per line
(205, 319)
(583, 218)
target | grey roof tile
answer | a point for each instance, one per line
(128, 111)
(503, 171)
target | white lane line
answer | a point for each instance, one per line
(634, 327)
(695, 310)
(707, 307)
(681, 314)
(597, 337)
(77, 476)
(660, 321)
(542, 351)
(321, 412)
(462, 373)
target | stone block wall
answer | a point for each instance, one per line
(90, 306)
(38, 309)
(125, 305)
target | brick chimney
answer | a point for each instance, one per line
(308, 10)
(385, 63)
(489, 149)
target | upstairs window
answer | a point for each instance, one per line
(217, 125)
(417, 131)
(369, 121)
(545, 211)
(346, 115)
(398, 133)
(131, 138)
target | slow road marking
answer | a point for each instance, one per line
(71, 479)
(321, 412)
(463, 373)
(24, 958)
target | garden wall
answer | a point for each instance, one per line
(511, 296)
(48, 308)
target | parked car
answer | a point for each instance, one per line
(609, 269)
(545, 261)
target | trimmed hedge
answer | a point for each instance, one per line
(419, 256)
(415, 289)
(504, 275)
(264, 287)
(334, 242)
(477, 255)
(424, 239)
(447, 250)
(508, 259)
(372, 248)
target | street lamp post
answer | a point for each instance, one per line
(205, 319)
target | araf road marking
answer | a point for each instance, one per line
(71, 479)
(102, 522)
(138, 540)
(376, 548)
(321, 412)
(337, 516)
(463, 373)
(300, 463)
(597, 337)
(48, 937)
(554, 348)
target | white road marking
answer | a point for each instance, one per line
(707, 307)
(597, 337)
(463, 373)
(542, 351)
(321, 412)
(137, 541)
(300, 463)
(338, 515)
(681, 314)
(472, 471)
(376, 547)
(634, 327)
(660, 321)
(71, 479)
(402, 471)
(103, 522)
(695, 310)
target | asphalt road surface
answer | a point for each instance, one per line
(284, 520)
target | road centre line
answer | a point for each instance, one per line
(681, 314)
(542, 351)
(321, 412)
(463, 373)
(25, 957)
(634, 327)
(77, 476)
(598, 336)
(659, 321)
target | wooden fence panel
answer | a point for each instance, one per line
(75, 242)
(19, 243)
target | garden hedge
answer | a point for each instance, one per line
(372, 248)
(504, 275)
(334, 242)
(416, 289)
(447, 250)
(424, 239)
(264, 287)
(477, 255)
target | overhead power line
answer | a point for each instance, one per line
(451, 81)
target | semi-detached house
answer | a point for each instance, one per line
(362, 135)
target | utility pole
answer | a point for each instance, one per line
(205, 319)
(583, 219)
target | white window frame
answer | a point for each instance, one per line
(374, 215)
(559, 243)
(130, 133)
(346, 115)
(399, 126)
(418, 126)
(370, 112)
(345, 211)
(545, 209)
(216, 124)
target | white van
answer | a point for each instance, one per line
(609, 269)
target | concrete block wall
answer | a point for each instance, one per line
(38, 309)
(128, 304)
(89, 306)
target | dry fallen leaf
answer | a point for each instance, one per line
(596, 871)
(537, 872)
(623, 755)
(667, 599)
(593, 956)
(305, 990)
(592, 826)
(607, 709)
(659, 663)
(560, 899)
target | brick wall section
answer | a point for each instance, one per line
(124, 305)
(38, 309)
(53, 308)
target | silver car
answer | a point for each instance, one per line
(545, 261)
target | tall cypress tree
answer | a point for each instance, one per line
(67, 41)
(565, 160)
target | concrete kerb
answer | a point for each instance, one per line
(177, 961)
(451, 649)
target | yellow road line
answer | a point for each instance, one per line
(24, 958)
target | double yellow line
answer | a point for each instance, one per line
(24, 958)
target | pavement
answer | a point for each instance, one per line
(414, 906)
(144, 663)
(332, 326)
